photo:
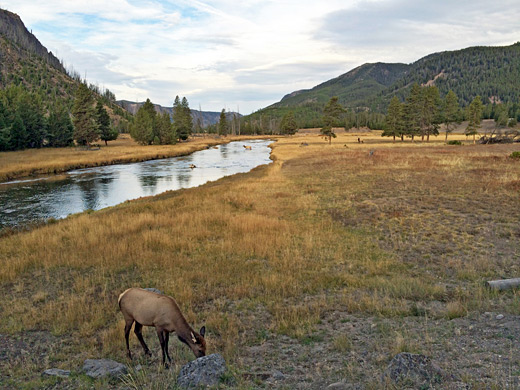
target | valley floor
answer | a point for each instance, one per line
(314, 270)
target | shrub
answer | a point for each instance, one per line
(454, 142)
(515, 155)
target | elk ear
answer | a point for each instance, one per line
(202, 331)
(193, 338)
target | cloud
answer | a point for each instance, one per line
(420, 26)
(224, 53)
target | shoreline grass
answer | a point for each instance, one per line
(409, 231)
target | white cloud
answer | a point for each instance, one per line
(224, 53)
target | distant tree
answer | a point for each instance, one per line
(474, 115)
(501, 116)
(142, 130)
(18, 134)
(182, 120)
(431, 115)
(412, 112)
(222, 123)
(60, 131)
(106, 131)
(30, 111)
(84, 116)
(331, 115)
(5, 131)
(166, 130)
(394, 120)
(451, 110)
(288, 124)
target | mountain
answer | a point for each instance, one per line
(207, 118)
(491, 72)
(35, 89)
(352, 88)
(13, 30)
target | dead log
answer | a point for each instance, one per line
(504, 284)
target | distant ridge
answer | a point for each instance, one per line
(207, 118)
(12, 28)
(492, 72)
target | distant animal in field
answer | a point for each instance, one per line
(304, 144)
(147, 308)
(247, 147)
(193, 166)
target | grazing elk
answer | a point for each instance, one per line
(147, 308)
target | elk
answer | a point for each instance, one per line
(147, 308)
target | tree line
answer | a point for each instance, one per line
(424, 111)
(26, 123)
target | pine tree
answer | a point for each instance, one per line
(288, 124)
(331, 114)
(60, 131)
(394, 119)
(451, 111)
(474, 114)
(412, 112)
(143, 128)
(222, 124)
(166, 130)
(182, 121)
(29, 109)
(84, 116)
(106, 131)
(187, 119)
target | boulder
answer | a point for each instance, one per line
(99, 368)
(56, 372)
(413, 369)
(205, 371)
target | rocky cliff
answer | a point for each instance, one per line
(13, 29)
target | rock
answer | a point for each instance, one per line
(56, 372)
(153, 290)
(277, 375)
(413, 368)
(499, 317)
(205, 371)
(339, 386)
(99, 368)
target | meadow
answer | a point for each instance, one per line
(322, 265)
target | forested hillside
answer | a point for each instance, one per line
(37, 94)
(493, 73)
(490, 72)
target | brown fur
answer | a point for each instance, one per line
(147, 308)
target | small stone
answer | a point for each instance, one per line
(499, 317)
(277, 375)
(56, 372)
(99, 368)
(338, 386)
(205, 371)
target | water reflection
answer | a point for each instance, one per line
(96, 188)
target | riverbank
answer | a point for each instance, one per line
(33, 162)
(313, 270)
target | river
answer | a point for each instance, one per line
(27, 201)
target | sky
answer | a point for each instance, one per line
(244, 55)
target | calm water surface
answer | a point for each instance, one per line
(27, 201)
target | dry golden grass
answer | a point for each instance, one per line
(397, 232)
(123, 150)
